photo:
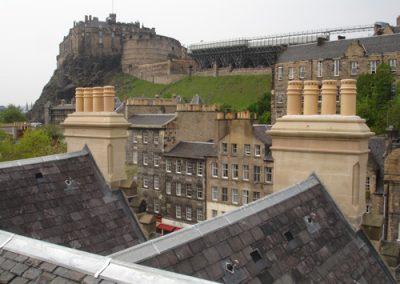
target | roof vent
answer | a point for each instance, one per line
(289, 236)
(230, 267)
(38, 175)
(255, 255)
(70, 184)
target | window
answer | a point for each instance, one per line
(178, 166)
(224, 147)
(214, 193)
(319, 69)
(178, 211)
(372, 66)
(291, 73)
(235, 171)
(247, 150)
(235, 196)
(188, 213)
(134, 136)
(189, 168)
(200, 169)
(268, 174)
(224, 196)
(256, 195)
(257, 174)
(189, 190)
(156, 161)
(156, 139)
(200, 215)
(168, 166)
(156, 206)
(367, 184)
(145, 182)
(214, 213)
(168, 187)
(156, 183)
(257, 150)
(234, 149)
(336, 67)
(145, 159)
(393, 65)
(178, 189)
(354, 68)
(302, 72)
(214, 169)
(168, 209)
(134, 157)
(225, 170)
(145, 137)
(245, 196)
(280, 72)
(199, 188)
(246, 174)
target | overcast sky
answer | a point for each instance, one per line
(31, 30)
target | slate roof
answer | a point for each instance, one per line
(64, 199)
(377, 147)
(194, 150)
(297, 235)
(196, 100)
(260, 133)
(24, 260)
(151, 120)
(337, 48)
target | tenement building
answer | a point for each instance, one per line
(243, 169)
(332, 60)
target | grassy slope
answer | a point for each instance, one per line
(237, 91)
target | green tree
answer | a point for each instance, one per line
(262, 108)
(12, 114)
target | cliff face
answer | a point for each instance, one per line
(76, 71)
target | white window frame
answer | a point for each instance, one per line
(134, 137)
(168, 187)
(200, 169)
(145, 137)
(178, 189)
(367, 183)
(373, 64)
(246, 172)
(247, 149)
(225, 171)
(256, 195)
(156, 205)
(235, 171)
(156, 139)
(302, 72)
(135, 157)
(214, 193)
(156, 183)
(257, 150)
(199, 191)
(320, 69)
(245, 196)
(214, 213)
(224, 194)
(168, 166)
(156, 161)
(189, 189)
(188, 213)
(224, 148)
(234, 149)
(291, 73)
(353, 68)
(178, 211)
(189, 168)
(178, 166)
(268, 174)
(145, 182)
(393, 64)
(235, 195)
(280, 73)
(336, 67)
(145, 159)
(199, 214)
(214, 169)
(256, 174)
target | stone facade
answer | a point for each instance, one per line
(392, 181)
(57, 114)
(331, 60)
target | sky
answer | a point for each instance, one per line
(32, 30)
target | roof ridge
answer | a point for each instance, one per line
(42, 159)
(157, 246)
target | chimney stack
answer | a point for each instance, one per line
(311, 92)
(294, 97)
(328, 94)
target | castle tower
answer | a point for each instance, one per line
(334, 146)
(96, 125)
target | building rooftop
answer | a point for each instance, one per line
(260, 131)
(194, 150)
(151, 120)
(332, 49)
(377, 147)
(292, 236)
(24, 260)
(63, 199)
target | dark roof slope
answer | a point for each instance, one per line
(24, 260)
(337, 48)
(150, 120)
(297, 235)
(194, 150)
(377, 146)
(260, 133)
(64, 199)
